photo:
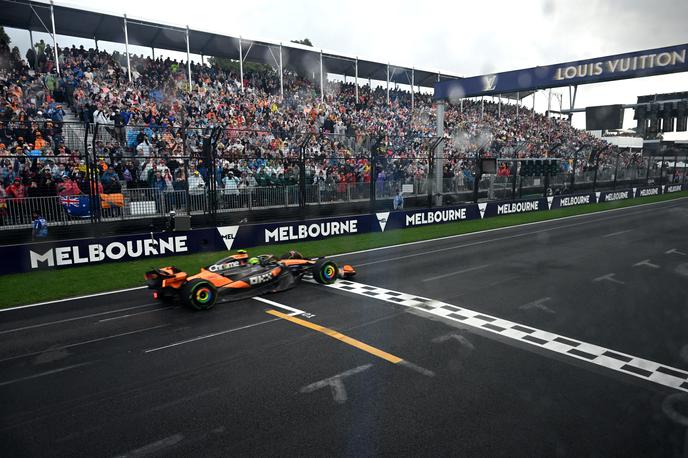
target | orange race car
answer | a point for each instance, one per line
(240, 276)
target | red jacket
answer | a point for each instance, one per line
(16, 191)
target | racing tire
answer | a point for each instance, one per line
(199, 294)
(325, 271)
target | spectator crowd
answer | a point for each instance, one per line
(156, 133)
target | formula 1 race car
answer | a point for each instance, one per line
(239, 276)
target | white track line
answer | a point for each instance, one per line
(496, 229)
(293, 311)
(516, 226)
(154, 447)
(613, 234)
(76, 318)
(483, 242)
(594, 354)
(128, 315)
(208, 336)
(462, 271)
(85, 342)
(43, 374)
(88, 296)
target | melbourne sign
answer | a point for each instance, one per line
(434, 217)
(616, 195)
(70, 253)
(575, 200)
(621, 66)
(78, 252)
(97, 252)
(310, 231)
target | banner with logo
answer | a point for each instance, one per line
(571, 200)
(514, 207)
(612, 196)
(647, 191)
(265, 234)
(71, 253)
(424, 217)
(637, 64)
(669, 188)
(74, 253)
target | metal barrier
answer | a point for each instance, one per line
(211, 152)
(149, 202)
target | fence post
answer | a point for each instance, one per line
(647, 173)
(616, 168)
(372, 150)
(478, 176)
(573, 171)
(594, 180)
(546, 181)
(209, 153)
(125, 199)
(514, 173)
(92, 187)
(302, 175)
(88, 167)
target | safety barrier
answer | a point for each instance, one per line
(70, 253)
(136, 203)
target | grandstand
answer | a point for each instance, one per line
(145, 136)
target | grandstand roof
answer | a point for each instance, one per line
(89, 24)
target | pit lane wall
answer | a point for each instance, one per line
(79, 252)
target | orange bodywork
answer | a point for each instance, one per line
(295, 262)
(173, 282)
(217, 280)
(348, 270)
(178, 279)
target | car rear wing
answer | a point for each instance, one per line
(165, 277)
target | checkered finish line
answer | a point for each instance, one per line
(631, 365)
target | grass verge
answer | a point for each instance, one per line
(25, 288)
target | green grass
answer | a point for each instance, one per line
(41, 286)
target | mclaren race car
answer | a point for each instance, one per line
(240, 276)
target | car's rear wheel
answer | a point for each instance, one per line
(200, 294)
(325, 271)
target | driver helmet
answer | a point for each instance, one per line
(253, 261)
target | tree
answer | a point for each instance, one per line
(4, 38)
(305, 41)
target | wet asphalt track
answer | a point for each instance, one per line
(120, 375)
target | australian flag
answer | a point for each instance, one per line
(76, 206)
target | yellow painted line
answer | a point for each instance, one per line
(339, 336)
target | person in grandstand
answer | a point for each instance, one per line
(39, 227)
(398, 202)
(196, 190)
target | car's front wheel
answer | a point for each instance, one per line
(325, 271)
(200, 294)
